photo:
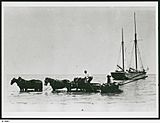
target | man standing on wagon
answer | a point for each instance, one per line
(88, 78)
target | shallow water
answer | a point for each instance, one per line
(139, 96)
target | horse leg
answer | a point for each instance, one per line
(53, 90)
(36, 89)
(25, 89)
(40, 89)
(68, 89)
(77, 86)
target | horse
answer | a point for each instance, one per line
(58, 84)
(83, 84)
(79, 83)
(24, 85)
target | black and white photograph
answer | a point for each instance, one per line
(80, 60)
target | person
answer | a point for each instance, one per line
(108, 79)
(86, 76)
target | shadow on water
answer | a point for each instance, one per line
(57, 92)
(31, 92)
(64, 92)
(83, 93)
(111, 94)
(24, 92)
(73, 92)
(136, 96)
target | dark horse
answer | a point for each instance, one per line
(83, 84)
(58, 84)
(27, 84)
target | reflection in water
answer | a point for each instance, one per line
(139, 96)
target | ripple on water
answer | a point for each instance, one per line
(140, 96)
(21, 102)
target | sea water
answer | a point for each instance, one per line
(138, 96)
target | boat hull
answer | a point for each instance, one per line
(119, 75)
(128, 75)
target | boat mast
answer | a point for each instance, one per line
(122, 51)
(135, 41)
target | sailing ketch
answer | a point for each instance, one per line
(132, 73)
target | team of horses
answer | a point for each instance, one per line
(25, 85)
(78, 84)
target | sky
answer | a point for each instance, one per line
(69, 40)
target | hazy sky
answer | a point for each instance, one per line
(60, 40)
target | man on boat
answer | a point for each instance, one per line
(108, 80)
